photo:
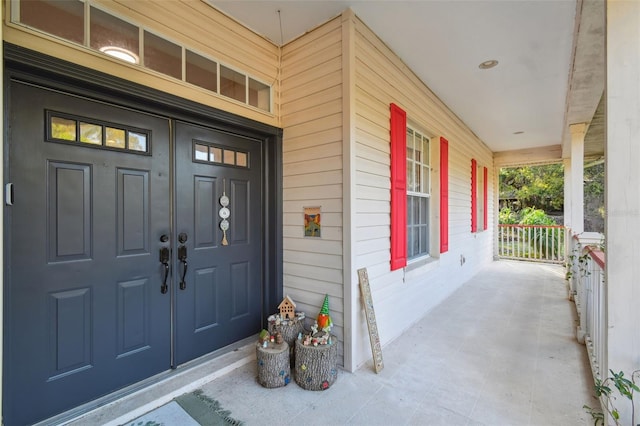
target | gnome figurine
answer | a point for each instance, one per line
(324, 319)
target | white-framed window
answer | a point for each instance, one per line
(418, 194)
(481, 188)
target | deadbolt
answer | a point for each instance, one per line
(182, 238)
(164, 238)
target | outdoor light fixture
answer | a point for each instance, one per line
(120, 53)
(488, 64)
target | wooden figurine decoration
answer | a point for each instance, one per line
(324, 319)
(287, 308)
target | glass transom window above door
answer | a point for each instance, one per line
(131, 42)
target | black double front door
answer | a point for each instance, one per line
(133, 245)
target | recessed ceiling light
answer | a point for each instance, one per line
(488, 64)
(120, 53)
(519, 132)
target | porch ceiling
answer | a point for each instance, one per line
(551, 56)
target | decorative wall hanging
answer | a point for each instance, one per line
(312, 225)
(224, 214)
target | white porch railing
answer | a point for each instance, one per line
(541, 243)
(585, 271)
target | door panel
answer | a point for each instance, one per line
(84, 315)
(221, 302)
(84, 311)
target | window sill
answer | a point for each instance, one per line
(432, 262)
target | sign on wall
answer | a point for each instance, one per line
(312, 225)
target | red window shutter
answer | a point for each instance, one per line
(484, 194)
(474, 195)
(398, 187)
(444, 195)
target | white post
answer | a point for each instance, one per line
(622, 189)
(567, 192)
(577, 176)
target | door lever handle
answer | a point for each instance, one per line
(164, 260)
(182, 257)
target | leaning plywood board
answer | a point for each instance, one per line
(376, 349)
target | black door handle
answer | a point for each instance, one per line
(182, 257)
(164, 260)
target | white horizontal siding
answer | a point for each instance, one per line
(311, 105)
(401, 297)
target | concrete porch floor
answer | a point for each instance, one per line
(501, 350)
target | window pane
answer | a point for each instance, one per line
(424, 240)
(91, 133)
(410, 244)
(417, 226)
(62, 18)
(410, 154)
(162, 55)
(115, 137)
(137, 141)
(425, 150)
(229, 157)
(418, 179)
(480, 195)
(416, 210)
(61, 128)
(426, 184)
(424, 211)
(215, 155)
(232, 84)
(259, 95)
(415, 237)
(411, 186)
(202, 152)
(201, 71)
(114, 36)
(241, 159)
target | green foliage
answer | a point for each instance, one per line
(541, 186)
(626, 388)
(594, 179)
(533, 216)
(508, 216)
(540, 237)
(594, 196)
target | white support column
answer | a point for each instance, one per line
(351, 289)
(575, 194)
(567, 223)
(567, 192)
(577, 176)
(622, 189)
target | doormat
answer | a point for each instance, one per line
(190, 409)
(206, 411)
